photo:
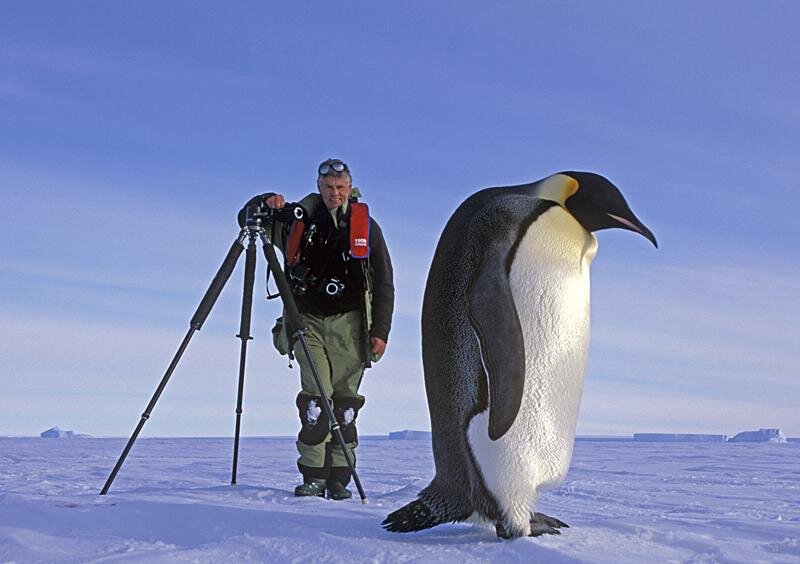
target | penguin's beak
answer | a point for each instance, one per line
(598, 204)
(635, 226)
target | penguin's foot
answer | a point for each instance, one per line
(542, 524)
(504, 531)
(412, 517)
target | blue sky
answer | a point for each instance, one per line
(132, 134)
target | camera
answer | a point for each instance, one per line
(333, 287)
(301, 279)
(260, 213)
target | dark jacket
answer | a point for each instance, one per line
(373, 274)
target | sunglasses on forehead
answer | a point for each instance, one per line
(337, 167)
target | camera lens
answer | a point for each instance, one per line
(332, 288)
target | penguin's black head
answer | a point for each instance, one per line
(598, 204)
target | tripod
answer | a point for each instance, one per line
(294, 327)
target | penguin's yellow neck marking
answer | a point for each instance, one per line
(556, 188)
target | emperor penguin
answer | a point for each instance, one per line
(505, 335)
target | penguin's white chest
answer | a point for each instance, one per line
(549, 281)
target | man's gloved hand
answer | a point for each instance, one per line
(275, 202)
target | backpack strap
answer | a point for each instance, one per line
(293, 244)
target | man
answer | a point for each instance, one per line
(345, 293)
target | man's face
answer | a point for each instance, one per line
(334, 190)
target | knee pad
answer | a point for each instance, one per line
(346, 410)
(315, 423)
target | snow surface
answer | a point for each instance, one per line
(626, 502)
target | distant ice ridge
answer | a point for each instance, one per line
(766, 435)
(771, 435)
(56, 433)
(679, 437)
(406, 434)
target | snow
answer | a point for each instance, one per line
(625, 501)
(313, 412)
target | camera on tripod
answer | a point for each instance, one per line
(259, 214)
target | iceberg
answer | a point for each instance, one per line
(771, 435)
(56, 433)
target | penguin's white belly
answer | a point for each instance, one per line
(549, 281)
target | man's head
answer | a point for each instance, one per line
(334, 182)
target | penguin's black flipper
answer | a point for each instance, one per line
(493, 316)
(490, 304)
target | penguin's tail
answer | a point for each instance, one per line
(428, 510)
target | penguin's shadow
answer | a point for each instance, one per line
(453, 534)
(458, 534)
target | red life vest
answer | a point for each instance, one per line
(359, 235)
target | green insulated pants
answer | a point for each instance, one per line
(334, 344)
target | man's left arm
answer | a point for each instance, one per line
(382, 288)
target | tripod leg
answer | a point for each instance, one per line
(296, 328)
(195, 324)
(244, 335)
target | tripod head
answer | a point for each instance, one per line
(260, 214)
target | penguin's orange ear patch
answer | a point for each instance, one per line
(570, 187)
(556, 188)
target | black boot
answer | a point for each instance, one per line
(340, 474)
(311, 487)
(339, 478)
(337, 491)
